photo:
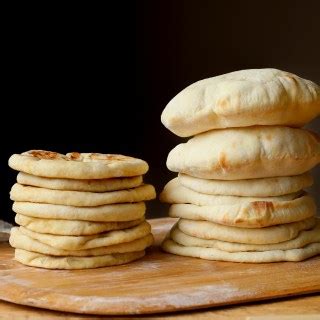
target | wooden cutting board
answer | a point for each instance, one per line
(160, 282)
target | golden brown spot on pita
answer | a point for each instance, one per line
(108, 157)
(116, 157)
(87, 157)
(262, 205)
(223, 161)
(291, 77)
(74, 155)
(41, 154)
(223, 103)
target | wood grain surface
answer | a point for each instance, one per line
(285, 307)
(160, 282)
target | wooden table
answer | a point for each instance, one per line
(306, 305)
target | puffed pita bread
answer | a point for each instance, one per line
(72, 227)
(77, 165)
(106, 213)
(80, 198)
(240, 99)
(90, 242)
(268, 235)
(247, 153)
(91, 185)
(264, 187)
(304, 238)
(34, 259)
(174, 192)
(256, 214)
(306, 252)
(20, 241)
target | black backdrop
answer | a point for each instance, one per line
(96, 79)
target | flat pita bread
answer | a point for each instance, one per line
(90, 242)
(240, 99)
(34, 259)
(79, 198)
(93, 185)
(264, 187)
(106, 213)
(247, 153)
(77, 165)
(257, 214)
(304, 238)
(20, 241)
(306, 252)
(72, 227)
(268, 235)
(174, 192)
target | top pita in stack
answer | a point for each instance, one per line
(239, 192)
(79, 211)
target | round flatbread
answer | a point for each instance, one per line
(247, 153)
(72, 227)
(77, 165)
(91, 185)
(106, 213)
(256, 214)
(174, 192)
(240, 99)
(20, 241)
(80, 198)
(304, 238)
(34, 259)
(308, 251)
(264, 187)
(269, 235)
(89, 242)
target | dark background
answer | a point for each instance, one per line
(95, 79)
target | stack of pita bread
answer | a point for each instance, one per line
(239, 192)
(80, 210)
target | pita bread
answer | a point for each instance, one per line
(90, 242)
(269, 235)
(77, 165)
(304, 238)
(264, 187)
(247, 153)
(308, 251)
(20, 241)
(72, 227)
(93, 185)
(174, 192)
(241, 99)
(34, 259)
(106, 213)
(256, 214)
(79, 198)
